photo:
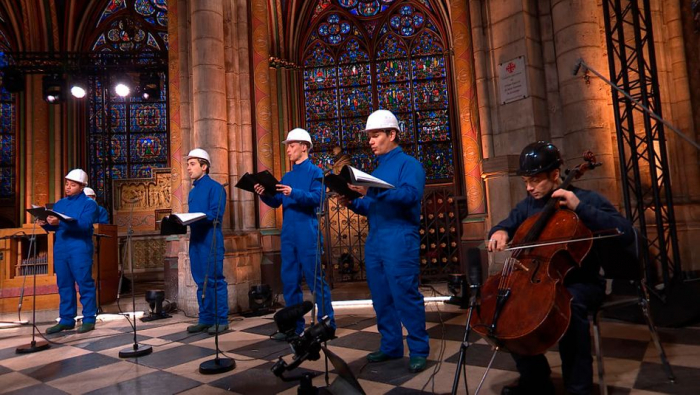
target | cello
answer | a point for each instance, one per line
(526, 308)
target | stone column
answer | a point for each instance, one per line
(203, 118)
(209, 84)
(585, 108)
(673, 64)
(267, 143)
(239, 126)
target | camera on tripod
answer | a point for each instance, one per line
(308, 346)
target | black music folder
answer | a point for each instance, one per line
(264, 178)
(42, 213)
(349, 175)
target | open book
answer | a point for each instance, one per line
(185, 218)
(360, 178)
(264, 178)
(349, 175)
(42, 213)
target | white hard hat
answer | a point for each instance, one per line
(89, 191)
(78, 175)
(298, 134)
(382, 119)
(199, 154)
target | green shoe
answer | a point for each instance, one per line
(379, 356)
(59, 328)
(416, 364)
(217, 328)
(86, 327)
(283, 337)
(197, 328)
(279, 336)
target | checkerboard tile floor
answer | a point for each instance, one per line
(89, 363)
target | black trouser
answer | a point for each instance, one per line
(574, 346)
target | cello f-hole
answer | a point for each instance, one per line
(533, 278)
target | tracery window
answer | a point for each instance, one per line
(128, 136)
(363, 55)
(8, 133)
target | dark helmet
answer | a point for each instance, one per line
(538, 158)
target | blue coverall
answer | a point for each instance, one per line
(584, 284)
(209, 197)
(101, 216)
(299, 236)
(72, 257)
(392, 252)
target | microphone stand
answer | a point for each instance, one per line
(461, 366)
(216, 365)
(318, 267)
(34, 345)
(137, 350)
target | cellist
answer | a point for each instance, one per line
(540, 170)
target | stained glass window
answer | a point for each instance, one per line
(8, 135)
(406, 72)
(127, 137)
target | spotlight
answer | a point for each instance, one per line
(155, 301)
(12, 80)
(54, 89)
(79, 89)
(149, 86)
(260, 300)
(122, 85)
(457, 284)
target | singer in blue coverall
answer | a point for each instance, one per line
(101, 216)
(539, 168)
(72, 253)
(300, 192)
(392, 245)
(209, 197)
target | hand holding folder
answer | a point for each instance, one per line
(264, 178)
(42, 213)
(349, 175)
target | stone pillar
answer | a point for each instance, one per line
(673, 64)
(468, 109)
(203, 117)
(267, 143)
(39, 148)
(239, 126)
(209, 84)
(585, 107)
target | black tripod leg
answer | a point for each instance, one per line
(461, 367)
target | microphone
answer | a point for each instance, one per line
(577, 66)
(475, 276)
(474, 262)
(286, 319)
(224, 185)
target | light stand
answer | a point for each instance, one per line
(137, 350)
(216, 365)
(41, 345)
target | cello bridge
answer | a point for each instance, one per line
(520, 266)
